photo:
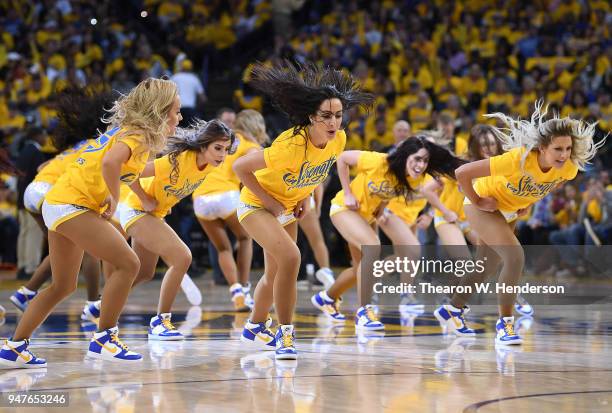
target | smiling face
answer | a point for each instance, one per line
(174, 116)
(326, 121)
(417, 163)
(214, 154)
(556, 153)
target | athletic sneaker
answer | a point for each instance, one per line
(409, 304)
(326, 277)
(238, 298)
(505, 332)
(15, 355)
(248, 299)
(106, 345)
(523, 307)
(22, 297)
(161, 328)
(192, 292)
(285, 337)
(452, 319)
(329, 306)
(258, 335)
(91, 311)
(366, 318)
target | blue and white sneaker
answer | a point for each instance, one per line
(285, 337)
(248, 299)
(452, 319)
(366, 318)
(22, 297)
(505, 332)
(523, 307)
(161, 328)
(409, 305)
(258, 335)
(15, 355)
(329, 306)
(91, 311)
(238, 298)
(106, 345)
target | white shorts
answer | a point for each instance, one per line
(217, 206)
(245, 210)
(127, 215)
(509, 216)
(34, 195)
(463, 225)
(55, 214)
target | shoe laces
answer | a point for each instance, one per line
(287, 340)
(115, 339)
(370, 314)
(509, 329)
(168, 324)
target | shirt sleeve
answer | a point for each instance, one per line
(282, 155)
(505, 164)
(369, 161)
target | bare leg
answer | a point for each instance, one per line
(279, 278)
(157, 236)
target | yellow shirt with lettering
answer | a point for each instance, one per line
(83, 184)
(373, 184)
(223, 178)
(294, 168)
(514, 187)
(169, 186)
(51, 172)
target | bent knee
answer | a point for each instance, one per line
(181, 259)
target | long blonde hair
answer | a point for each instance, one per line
(251, 124)
(145, 109)
(539, 133)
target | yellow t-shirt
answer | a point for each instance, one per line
(294, 168)
(168, 193)
(83, 184)
(409, 210)
(372, 185)
(51, 172)
(223, 178)
(514, 187)
(452, 198)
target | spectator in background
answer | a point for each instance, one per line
(227, 116)
(9, 227)
(401, 132)
(191, 91)
(30, 241)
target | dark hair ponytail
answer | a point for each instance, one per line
(80, 113)
(298, 92)
(198, 135)
(441, 162)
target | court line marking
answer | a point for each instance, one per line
(476, 405)
(473, 408)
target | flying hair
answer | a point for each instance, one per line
(540, 131)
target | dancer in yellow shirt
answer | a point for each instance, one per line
(69, 137)
(279, 180)
(356, 208)
(80, 204)
(215, 206)
(189, 158)
(542, 153)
